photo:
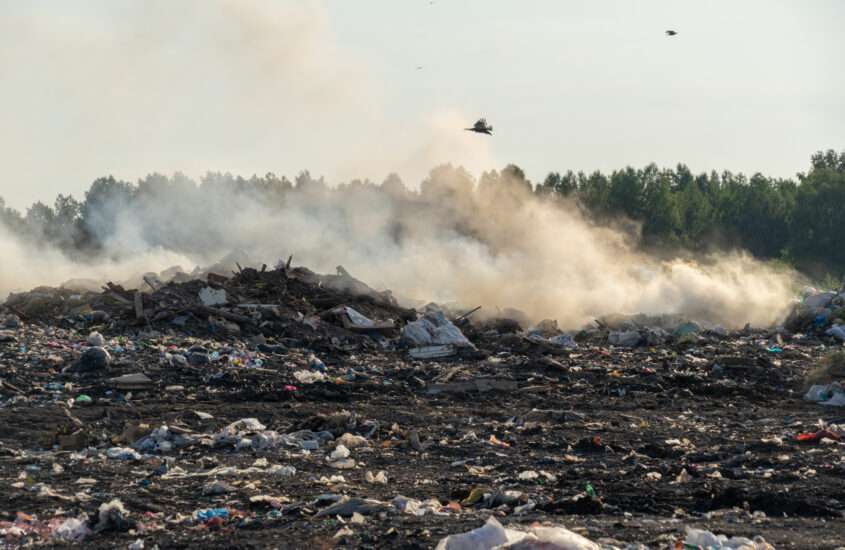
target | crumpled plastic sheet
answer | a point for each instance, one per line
(162, 440)
(700, 538)
(832, 395)
(249, 433)
(837, 331)
(492, 536)
(434, 329)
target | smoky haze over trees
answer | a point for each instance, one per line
(798, 221)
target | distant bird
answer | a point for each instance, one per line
(671, 33)
(419, 67)
(481, 127)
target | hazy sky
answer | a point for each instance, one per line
(127, 88)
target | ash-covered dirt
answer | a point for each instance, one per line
(623, 445)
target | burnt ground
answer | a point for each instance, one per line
(627, 422)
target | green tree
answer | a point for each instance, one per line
(625, 195)
(818, 223)
(104, 202)
(662, 216)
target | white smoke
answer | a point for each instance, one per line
(503, 247)
(150, 79)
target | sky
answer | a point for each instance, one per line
(359, 89)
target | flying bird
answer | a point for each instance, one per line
(671, 33)
(481, 127)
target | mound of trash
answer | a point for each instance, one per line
(819, 312)
(247, 302)
(283, 403)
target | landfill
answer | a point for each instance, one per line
(275, 407)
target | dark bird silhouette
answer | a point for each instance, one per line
(481, 127)
(671, 33)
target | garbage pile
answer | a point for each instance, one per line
(819, 312)
(248, 302)
(292, 409)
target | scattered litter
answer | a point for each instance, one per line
(236, 401)
(72, 530)
(210, 514)
(832, 395)
(379, 478)
(96, 339)
(113, 516)
(92, 359)
(486, 537)
(837, 331)
(699, 538)
(351, 441)
(564, 341)
(123, 453)
(818, 436)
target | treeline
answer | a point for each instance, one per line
(799, 221)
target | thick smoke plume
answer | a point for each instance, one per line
(189, 86)
(494, 244)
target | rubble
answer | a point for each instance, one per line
(278, 404)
